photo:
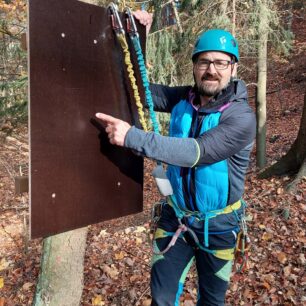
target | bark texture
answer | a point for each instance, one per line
(295, 160)
(261, 112)
(61, 278)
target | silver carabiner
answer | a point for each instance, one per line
(116, 21)
(131, 24)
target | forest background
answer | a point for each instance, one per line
(118, 273)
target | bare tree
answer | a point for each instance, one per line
(295, 159)
(261, 108)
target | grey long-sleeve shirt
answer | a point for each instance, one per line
(235, 131)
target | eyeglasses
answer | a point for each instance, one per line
(218, 64)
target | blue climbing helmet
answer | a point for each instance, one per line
(216, 40)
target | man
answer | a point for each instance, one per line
(211, 134)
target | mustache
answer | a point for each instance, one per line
(210, 77)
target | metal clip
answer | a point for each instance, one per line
(157, 211)
(244, 227)
(130, 23)
(116, 21)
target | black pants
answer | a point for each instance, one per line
(169, 270)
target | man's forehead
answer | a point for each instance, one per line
(214, 55)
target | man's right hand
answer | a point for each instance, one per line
(144, 18)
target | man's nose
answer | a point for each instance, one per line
(211, 68)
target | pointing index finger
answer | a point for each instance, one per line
(106, 118)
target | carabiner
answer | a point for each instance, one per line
(116, 21)
(130, 23)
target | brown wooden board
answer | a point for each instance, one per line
(76, 69)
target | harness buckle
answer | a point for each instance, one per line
(115, 18)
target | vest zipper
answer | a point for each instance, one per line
(192, 197)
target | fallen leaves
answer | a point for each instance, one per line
(282, 257)
(111, 271)
(4, 264)
(117, 263)
(97, 301)
(27, 286)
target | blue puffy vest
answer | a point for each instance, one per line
(211, 180)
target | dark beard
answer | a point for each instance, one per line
(204, 90)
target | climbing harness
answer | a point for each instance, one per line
(226, 254)
(120, 33)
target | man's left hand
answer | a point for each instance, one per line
(115, 128)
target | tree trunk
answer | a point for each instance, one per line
(60, 281)
(234, 18)
(294, 161)
(224, 5)
(261, 88)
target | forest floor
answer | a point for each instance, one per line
(117, 260)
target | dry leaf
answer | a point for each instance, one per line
(3, 264)
(1, 282)
(120, 255)
(247, 294)
(110, 271)
(269, 278)
(138, 241)
(97, 300)
(27, 286)
(2, 301)
(302, 259)
(129, 261)
(261, 226)
(266, 285)
(287, 271)
(281, 257)
(103, 233)
(266, 236)
(140, 229)
(280, 190)
(133, 278)
(146, 302)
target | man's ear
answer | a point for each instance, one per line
(234, 70)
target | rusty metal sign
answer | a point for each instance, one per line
(76, 69)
